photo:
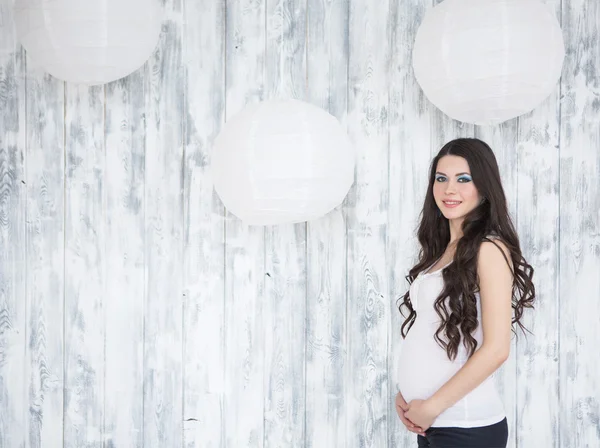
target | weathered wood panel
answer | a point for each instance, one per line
(163, 310)
(368, 391)
(326, 338)
(246, 304)
(84, 266)
(124, 235)
(45, 295)
(579, 228)
(537, 405)
(13, 262)
(204, 227)
(285, 247)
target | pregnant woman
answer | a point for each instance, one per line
(470, 285)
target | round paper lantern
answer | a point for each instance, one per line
(88, 41)
(487, 61)
(282, 161)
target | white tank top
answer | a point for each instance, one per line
(425, 367)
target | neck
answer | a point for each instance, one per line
(455, 230)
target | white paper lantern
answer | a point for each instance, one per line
(88, 41)
(282, 161)
(487, 61)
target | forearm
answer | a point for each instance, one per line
(480, 366)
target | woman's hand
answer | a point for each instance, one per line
(422, 413)
(401, 408)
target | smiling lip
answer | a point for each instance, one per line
(453, 204)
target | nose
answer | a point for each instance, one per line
(450, 187)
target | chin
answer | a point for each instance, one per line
(454, 214)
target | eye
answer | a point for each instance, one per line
(440, 178)
(464, 179)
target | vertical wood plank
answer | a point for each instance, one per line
(124, 232)
(84, 266)
(368, 309)
(536, 413)
(45, 258)
(204, 259)
(537, 355)
(13, 263)
(503, 139)
(444, 129)
(579, 235)
(285, 247)
(326, 346)
(284, 341)
(163, 405)
(410, 134)
(244, 252)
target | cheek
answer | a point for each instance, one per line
(469, 192)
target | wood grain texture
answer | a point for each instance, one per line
(245, 299)
(285, 247)
(536, 411)
(124, 235)
(13, 247)
(368, 309)
(45, 160)
(326, 338)
(204, 227)
(84, 267)
(163, 311)
(327, 373)
(537, 188)
(284, 345)
(579, 242)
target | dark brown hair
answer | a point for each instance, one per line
(456, 304)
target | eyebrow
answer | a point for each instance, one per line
(457, 174)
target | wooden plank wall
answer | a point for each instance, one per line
(136, 311)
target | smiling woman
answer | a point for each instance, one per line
(460, 303)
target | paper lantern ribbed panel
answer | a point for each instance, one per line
(282, 161)
(488, 61)
(88, 42)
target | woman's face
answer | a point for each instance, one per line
(453, 189)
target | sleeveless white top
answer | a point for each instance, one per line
(425, 367)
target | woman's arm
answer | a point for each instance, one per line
(495, 290)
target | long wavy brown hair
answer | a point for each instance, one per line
(456, 305)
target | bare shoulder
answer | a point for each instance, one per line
(494, 257)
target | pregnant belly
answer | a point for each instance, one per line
(424, 366)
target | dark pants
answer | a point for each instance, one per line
(493, 436)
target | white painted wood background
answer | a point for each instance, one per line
(134, 311)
